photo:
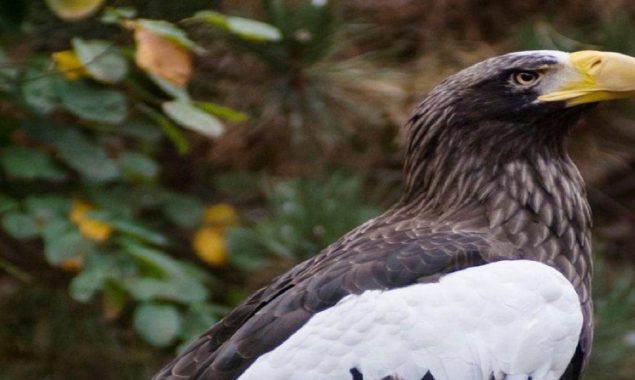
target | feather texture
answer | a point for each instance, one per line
(493, 228)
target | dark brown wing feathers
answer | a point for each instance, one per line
(272, 314)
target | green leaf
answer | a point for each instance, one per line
(191, 117)
(171, 280)
(113, 15)
(246, 250)
(169, 31)
(29, 164)
(137, 166)
(97, 269)
(47, 204)
(184, 211)
(7, 203)
(226, 113)
(147, 288)
(39, 89)
(145, 196)
(158, 261)
(170, 130)
(45, 208)
(62, 241)
(102, 59)
(20, 225)
(177, 92)
(132, 228)
(111, 200)
(143, 129)
(244, 28)
(90, 102)
(157, 324)
(253, 30)
(85, 156)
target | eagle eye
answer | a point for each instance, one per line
(525, 78)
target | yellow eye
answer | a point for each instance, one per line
(525, 78)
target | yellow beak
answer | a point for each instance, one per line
(599, 76)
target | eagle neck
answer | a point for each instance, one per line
(541, 208)
(516, 183)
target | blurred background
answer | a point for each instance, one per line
(160, 160)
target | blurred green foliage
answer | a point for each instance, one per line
(303, 216)
(80, 160)
(300, 34)
(81, 167)
(316, 86)
(614, 340)
(608, 35)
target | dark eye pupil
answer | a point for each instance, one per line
(525, 77)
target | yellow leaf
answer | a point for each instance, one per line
(74, 264)
(79, 210)
(220, 215)
(90, 228)
(209, 244)
(67, 63)
(95, 230)
(72, 10)
(162, 57)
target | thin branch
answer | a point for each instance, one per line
(15, 271)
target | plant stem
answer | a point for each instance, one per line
(14, 271)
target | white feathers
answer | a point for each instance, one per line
(560, 56)
(506, 318)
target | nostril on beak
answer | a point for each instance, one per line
(595, 64)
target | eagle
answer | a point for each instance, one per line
(482, 270)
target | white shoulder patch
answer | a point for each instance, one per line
(516, 318)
